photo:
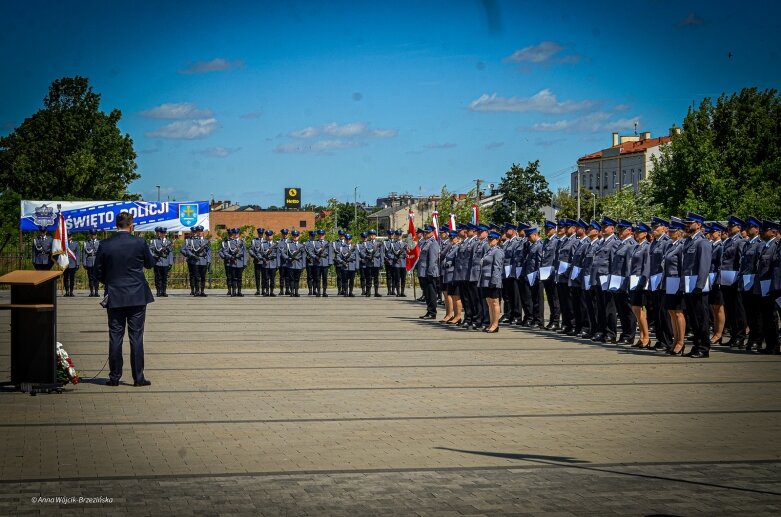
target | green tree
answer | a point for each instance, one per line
(631, 205)
(525, 191)
(462, 208)
(726, 160)
(67, 150)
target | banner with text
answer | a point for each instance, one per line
(82, 216)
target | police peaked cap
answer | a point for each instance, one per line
(340, 232)
(735, 221)
(260, 231)
(642, 227)
(606, 221)
(532, 230)
(691, 217)
(769, 225)
(753, 221)
(623, 223)
(718, 227)
(284, 231)
(269, 232)
(372, 232)
(397, 232)
(364, 235)
(657, 221)
(595, 224)
(321, 232)
(482, 228)
(550, 224)
(494, 235)
(295, 233)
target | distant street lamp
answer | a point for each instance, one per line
(594, 216)
(355, 206)
(158, 193)
(584, 172)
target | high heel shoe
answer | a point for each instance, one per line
(446, 320)
(494, 331)
(718, 341)
(455, 322)
(639, 344)
(678, 353)
(643, 346)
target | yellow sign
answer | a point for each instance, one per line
(292, 197)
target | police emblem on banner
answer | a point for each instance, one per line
(44, 216)
(188, 214)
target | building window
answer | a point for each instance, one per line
(590, 180)
(614, 179)
(219, 227)
(302, 224)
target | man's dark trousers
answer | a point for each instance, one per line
(134, 318)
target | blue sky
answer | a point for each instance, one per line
(241, 99)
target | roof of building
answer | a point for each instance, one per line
(387, 212)
(630, 147)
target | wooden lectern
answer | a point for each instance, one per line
(33, 329)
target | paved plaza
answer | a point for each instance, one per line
(354, 406)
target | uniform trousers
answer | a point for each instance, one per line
(533, 302)
(268, 277)
(118, 319)
(590, 308)
(259, 281)
(191, 275)
(565, 305)
(625, 314)
(284, 286)
(466, 300)
(92, 279)
(348, 282)
(340, 286)
(200, 277)
(237, 278)
(477, 302)
(321, 279)
(293, 279)
(578, 308)
(372, 278)
(770, 321)
(753, 315)
(606, 313)
(698, 311)
(428, 285)
(512, 297)
(69, 279)
(161, 278)
(389, 278)
(364, 280)
(734, 312)
(662, 324)
(553, 299)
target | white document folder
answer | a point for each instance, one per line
(545, 272)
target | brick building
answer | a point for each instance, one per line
(223, 216)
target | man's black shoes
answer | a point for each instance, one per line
(142, 383)
(112, 383)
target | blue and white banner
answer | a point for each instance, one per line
(82, 216)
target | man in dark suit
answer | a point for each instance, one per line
(120, 264)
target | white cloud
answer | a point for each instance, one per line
(542, 52)
(320, 146)
(441, 146)
(176, 110)
(352, 134)
(215, 65)
(543, 101)
(186, 129)
(536, 53)
(597, 122)
(219, 152)
(384, 133)
(252, 115)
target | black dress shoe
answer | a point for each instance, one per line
(598, 337)
(526, 325)
(112, 383)
(698, 354)
(427, 317)
(143, 383)
(586, 335)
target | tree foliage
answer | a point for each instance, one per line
(727, 160)
(528, 189)
(625, 203)
(567, 205)
(462, 208)
(68, 150)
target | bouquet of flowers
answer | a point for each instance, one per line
(66, 371)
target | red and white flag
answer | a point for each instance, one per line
(452, 222)
(413, 251)
(60, 247)
(435, 223)
(475, 214)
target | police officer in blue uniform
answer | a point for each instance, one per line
(372, 257)
(91, 246)
(767, 264)
(42, 250)
(747, 277)
(731, 257)
(161, 248)
(269, 263)
(510, 291)
(321, 255)
(338, 265)
(347, 261)
(197, 251)
(490, 283)
(387, 253)
(310, 262)
(234, 254)
(600, 272)
(548, 266)
(588, 282)
(575, 278)
(254, 252)
(697, 252)
(567, 244)
(294, 254)
(659, 314)
(533, 314)
(284, 286)
(398, 264)
(428, 271)
(74, 259)
(620, 264)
